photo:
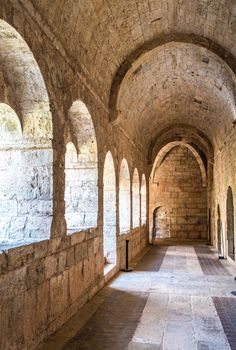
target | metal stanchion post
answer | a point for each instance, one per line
(127, 268)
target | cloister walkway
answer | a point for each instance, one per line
(177, 298)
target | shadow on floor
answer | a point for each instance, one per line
(112, 325)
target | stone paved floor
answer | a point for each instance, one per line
(177, 298)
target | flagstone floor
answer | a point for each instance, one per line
(178, 297)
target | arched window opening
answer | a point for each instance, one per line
(109, 211)
(230, 223)
(143, 201)
(25, 144)
(23, 87)
(135, 200)
(71, 187)
(124, 197)
(85, 170)
(219, 233)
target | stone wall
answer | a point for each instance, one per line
(224, 178)
(178, 201)
(25, 193)
(138, 240)
(43, 284)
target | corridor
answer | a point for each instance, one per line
(178, 297)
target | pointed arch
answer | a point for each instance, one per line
(219, 233)
(80, 130)
(109, 210)
(143, 200)
(24, 87)
(71, 185)
(135, 199)
(124, 197)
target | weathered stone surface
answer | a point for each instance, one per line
(75, 282)
(161, 72)
(178, 200)
(42, 308)
(51, 266)
(58, 294)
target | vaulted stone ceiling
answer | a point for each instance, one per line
(177, 83)
(154, 63)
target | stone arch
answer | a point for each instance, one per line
(25, 144)
(80, 131)
(124, 197)
(230, 223)
(143, 200)
(135, 199)
(161, 40)
(71, 186)
(109, 210)
(22, 78)
(176, 182)
(184, 133)
(219, 233)
(168, 147)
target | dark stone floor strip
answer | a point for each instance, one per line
(209, 263)
(152, 261)
(113, 324)
(226, 309)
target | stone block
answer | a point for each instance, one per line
(29, 316)
(88, 269)
(35, 273)
(62, 261)
(20, 256)
(58, 294)
(42, 307)
(13, 283)
(78, 237)
(41, 249)
(70, 258)
(51, 263)
(76, 283)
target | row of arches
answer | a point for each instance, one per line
(26, 159)
(226, 245)
(81, 194)
(139, 199)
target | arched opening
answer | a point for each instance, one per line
(109, 210)
(219, 233)
(71, 187)
(135, 200)
(178, 195)
(230, 223)
(161, 222)
(124, 197)
(25, 144)
(81, 205)
(143, 201)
